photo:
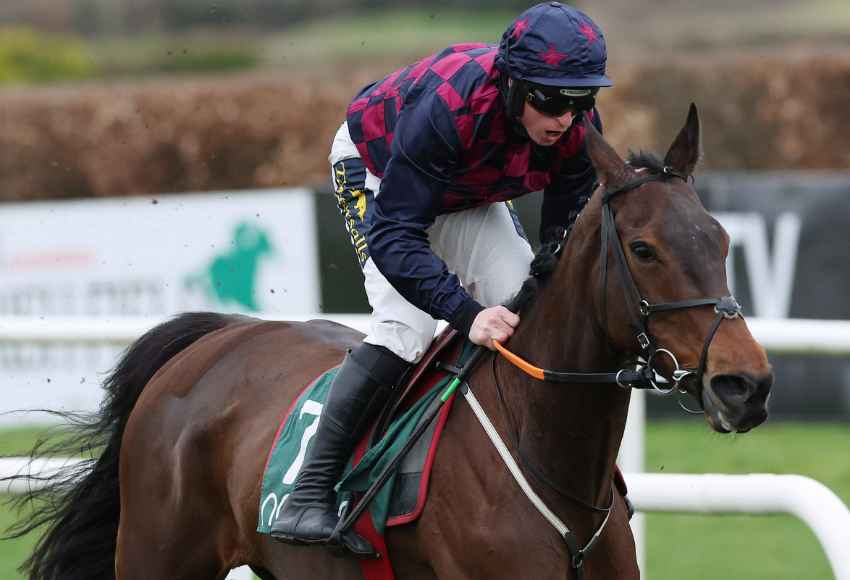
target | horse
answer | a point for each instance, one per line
(192, 407)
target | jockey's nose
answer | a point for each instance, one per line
(566, 119)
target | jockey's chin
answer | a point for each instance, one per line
(543, 129)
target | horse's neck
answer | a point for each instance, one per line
(572, 432)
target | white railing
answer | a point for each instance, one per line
(807, 499)
(788, 336)
(116, 331)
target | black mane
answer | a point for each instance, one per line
(646, 160)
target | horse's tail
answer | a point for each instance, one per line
(80, 504)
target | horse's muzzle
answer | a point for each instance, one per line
(736, 402)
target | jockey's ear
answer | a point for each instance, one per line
(611, 170)
(686, 150)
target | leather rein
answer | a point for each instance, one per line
(643, 376)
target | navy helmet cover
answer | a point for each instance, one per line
(554, 44)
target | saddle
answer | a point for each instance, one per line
(402, 499)
(292, 440)
(414, 394)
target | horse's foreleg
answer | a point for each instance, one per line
(167, 550)
(141, 558)
(615, 556)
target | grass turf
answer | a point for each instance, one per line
(743, 547)
(681, 546)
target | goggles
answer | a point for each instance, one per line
(557, 101)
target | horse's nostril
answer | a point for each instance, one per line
(761, 394)
(733, 388)
(763, 386)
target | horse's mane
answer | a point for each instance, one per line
(547, 255)
(646, 160)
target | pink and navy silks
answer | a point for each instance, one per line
(437, 135)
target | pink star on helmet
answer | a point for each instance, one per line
(552, 57)
(588, 32)
(519, 28)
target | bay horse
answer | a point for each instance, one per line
(192, 408)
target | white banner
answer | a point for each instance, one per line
(248, 252)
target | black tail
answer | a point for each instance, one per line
(80, 505)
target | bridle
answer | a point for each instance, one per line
(643, 376)
(640, 309)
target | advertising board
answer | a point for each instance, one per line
(246, 252)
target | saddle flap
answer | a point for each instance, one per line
(411, 387)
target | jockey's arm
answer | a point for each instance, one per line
(425, 153)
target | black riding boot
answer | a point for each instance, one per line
(359, 391)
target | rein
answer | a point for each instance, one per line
(643, 376)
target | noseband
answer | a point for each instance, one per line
(640, 310)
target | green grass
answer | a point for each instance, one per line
(385, 38)
(19, 441)
(12, 552)
(186, 53)
(387, 35)
(683, 546)
(382, 37)
(402, 35)
(745, 547)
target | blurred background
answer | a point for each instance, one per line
(149, 148)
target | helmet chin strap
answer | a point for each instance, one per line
(513, 97)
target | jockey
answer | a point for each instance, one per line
(424, 168)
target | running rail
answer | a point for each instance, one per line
(787, 335)
(807, 499)
(37, 472)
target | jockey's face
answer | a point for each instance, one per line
(543, 129)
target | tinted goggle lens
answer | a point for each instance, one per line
(555, 103)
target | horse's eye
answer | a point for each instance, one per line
(643, 251)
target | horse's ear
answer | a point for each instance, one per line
(686, 150)
(610, 168)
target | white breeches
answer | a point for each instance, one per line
(481, 246)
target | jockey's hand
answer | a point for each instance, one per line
(494, 323)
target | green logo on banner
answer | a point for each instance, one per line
(230, 279)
